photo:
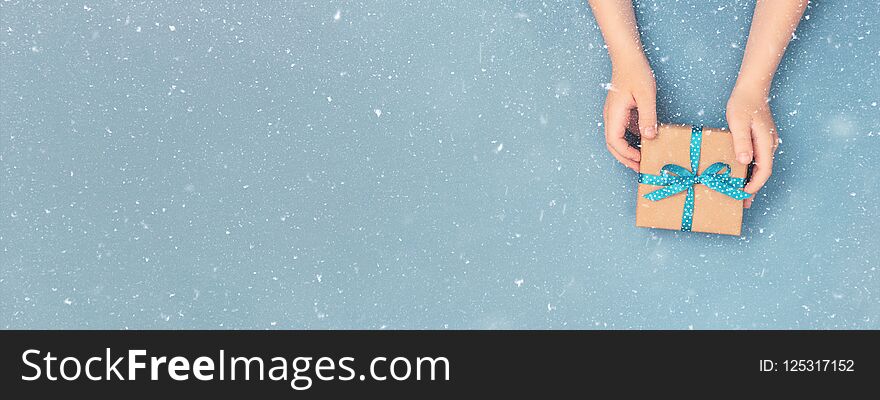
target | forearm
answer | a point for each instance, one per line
(617, 21)
(633, 88)
(773, 24)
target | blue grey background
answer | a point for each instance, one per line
(412, 164)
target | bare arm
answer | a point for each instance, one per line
(772, 28)
(618, 24)
(632, 81)
(748, 114)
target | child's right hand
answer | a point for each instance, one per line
(632, 88)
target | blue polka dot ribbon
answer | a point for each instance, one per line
(676, 179)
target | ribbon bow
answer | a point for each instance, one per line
(676, 179)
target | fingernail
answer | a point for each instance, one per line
(650, 132)
(743, 158)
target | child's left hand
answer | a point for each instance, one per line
(754, 134)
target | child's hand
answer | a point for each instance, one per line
(754, 133)
(748, 114)
(632, 87)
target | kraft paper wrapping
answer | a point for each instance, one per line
(713, 211)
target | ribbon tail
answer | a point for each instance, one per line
(687, 215)
(667, 191)
(726, 188)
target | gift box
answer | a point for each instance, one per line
(689, 180)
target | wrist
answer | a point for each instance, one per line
(751, 89)
(622, 59)
(757, 85)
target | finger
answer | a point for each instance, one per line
(623, 160)
(646, 102)
(763, 139)
(633, 165)
(615, 129)
(747, 203)
(742, 139)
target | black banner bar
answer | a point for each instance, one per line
(332, 363)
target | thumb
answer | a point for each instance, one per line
(646, 102)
